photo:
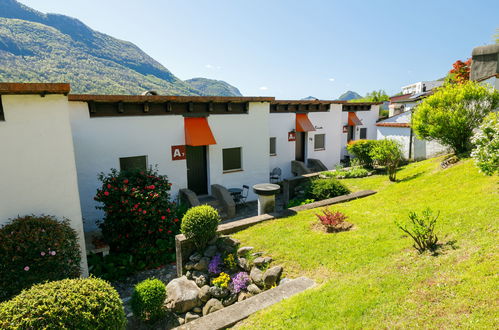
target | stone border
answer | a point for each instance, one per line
(184, 247)
(232, 314)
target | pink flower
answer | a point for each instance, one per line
(26, 268)
(163, 217)
(144, 212)
(106, 193)
(42, 253)
(52, 253)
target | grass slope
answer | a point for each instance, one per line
(371, 277)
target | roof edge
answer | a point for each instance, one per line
(165, 98)
(11, 88)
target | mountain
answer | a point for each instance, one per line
(38, 47)
(212, 87)
(309, 98)
(349, 95)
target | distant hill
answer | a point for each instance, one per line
(38, 47)
(349, 95)
(310, 98)
(212, 87)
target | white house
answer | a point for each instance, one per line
(421, 87)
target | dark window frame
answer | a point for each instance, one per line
(2, 116)
(323, 147)
(363, 130)
(232, 165)
(274, 140)
(125, 167)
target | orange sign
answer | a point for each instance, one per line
(178, 152)
(291, 136)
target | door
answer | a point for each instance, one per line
(300, 147)
(197, 174)
(351, 133)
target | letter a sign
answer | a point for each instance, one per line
(178, 152)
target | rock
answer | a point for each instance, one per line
(262, 261)
(200, 278)
(244, 264)
(244, 250)
(256, 275)
(229, 300)
(204, 293)
(188, 274)
(195, 257)
(257, 254)
(210, 251)
(267, 260)
(129, 314)
(182, 295)
(272, 276)
(227, 244)
(197, 310)
(180, 320)
(243, 296)
(211, 306)
(284, 280)
(190, 317)
(202, 264)
(213, 240)
(189, 265)
(218, 292)
(253, 289)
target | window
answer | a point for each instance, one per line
(231, 159)
(272, 146)
(363, 133)
(320, 141)
(2, 118)
(133, 163)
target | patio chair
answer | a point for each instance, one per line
(240, 198)
(275, 175)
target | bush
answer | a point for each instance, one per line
(200, 223)
(326, 188)
(361, 149)
(333, 221)
(357, 172)
(299, 201)
(451, 114)
(147, 300)
(422, 230)
(140, 220)
(36, 249)
(388, 153)
(486, 142)
(84, 303)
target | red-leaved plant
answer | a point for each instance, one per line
(333, 220)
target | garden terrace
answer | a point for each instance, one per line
(372, 275)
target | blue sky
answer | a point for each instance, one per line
(293, 49)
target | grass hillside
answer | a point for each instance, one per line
(371, 277)
(212, 87)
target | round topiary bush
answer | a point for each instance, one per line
(326, 188)
(200, 223)
(84, 303)
(36, 249)
(147, 300)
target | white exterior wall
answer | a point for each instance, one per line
(368, 119)
(399, 134)
(101, 142)
(279, 126)
(418, 87)
(38, 172)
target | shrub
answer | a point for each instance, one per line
(230, 261)
(299, 201)
(326, 188)
(200, 223)
(147, 300)
(222, 281)
(36, 249)
(361, 149)
(422, 230)
(333, 221)
(486, 142)
(357, 172)
(140, 219)
(84, 303)
(451, 114)
(388, 153)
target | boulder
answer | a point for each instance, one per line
(197, 310)
(271, 276)
(262, 261)
(284, 280)
(244, 250)
(202, 264)
(188, 274)
(229, 300)
(211, 306)
(190, 317)
(253, 289)
(189, 265)
(182, 295)
(180, 320)
(200, 278)
(195, 257)
(210, 251)
(204, 293)
(256, 275)
(218, 292)
(244, 264)
(243, 296)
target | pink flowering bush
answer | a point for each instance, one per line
(34, 250)
(140, 220)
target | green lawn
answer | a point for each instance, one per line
(371, 277)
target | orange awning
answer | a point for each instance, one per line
(303, 124)
(353, 120)
(198, 132)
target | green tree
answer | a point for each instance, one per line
(451, 114)
(486, 143)
(387, 153)
(374, 96)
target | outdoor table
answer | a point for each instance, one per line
(266, 196)
(235, 192)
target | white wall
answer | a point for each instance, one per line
(279, 125)
(37, 167)
(399, 134)
(368, 119)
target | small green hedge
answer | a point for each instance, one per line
(326, 188)
(147, 300)
(84, 303)
(200, 223)
(361, 149)
(35, 249)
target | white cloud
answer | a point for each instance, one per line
(263, 88)
(212, 67)
(331, 79)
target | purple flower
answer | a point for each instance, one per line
(240, 282)
(42, 253)
(26, 268)
(215, 263)
(52, 253)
